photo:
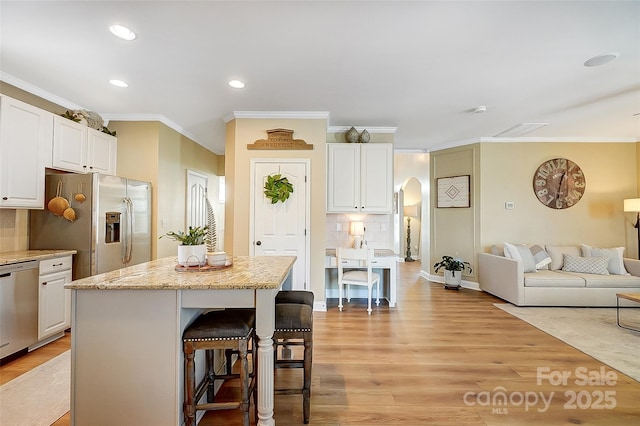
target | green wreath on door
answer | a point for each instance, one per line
(277, 188)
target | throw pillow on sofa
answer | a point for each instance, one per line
(521, 254)
(540, 256)
(585, 265)
(615, 256)
(557, 253)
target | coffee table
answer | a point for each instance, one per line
(634, 297)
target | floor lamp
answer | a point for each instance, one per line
(633, 205)
(409, 212)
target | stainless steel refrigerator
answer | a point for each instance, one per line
(112, 228)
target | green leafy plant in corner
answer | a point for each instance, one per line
(193, 237)
(277, 188)
(452, 264)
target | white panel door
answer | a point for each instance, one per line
(280, 229)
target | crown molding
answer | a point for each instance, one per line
(299, 115)
(371, 130)
(35, 90)
(410, 150)
(581, 139)
(571, 139)
(150, 117)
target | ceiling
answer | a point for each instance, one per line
(419, 66)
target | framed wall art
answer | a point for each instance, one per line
(453, 191)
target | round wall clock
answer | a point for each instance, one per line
(559, 183)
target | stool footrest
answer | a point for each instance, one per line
(288, 391)
(287, 363)
(212, 406)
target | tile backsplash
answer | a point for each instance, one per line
(13, 230)
(378, 230)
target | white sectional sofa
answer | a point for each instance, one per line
(550, 285)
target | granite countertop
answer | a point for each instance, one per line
(260, 272)
(10, 257)
(377, 252)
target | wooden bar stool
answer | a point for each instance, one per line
(230, 330)
(294, 327)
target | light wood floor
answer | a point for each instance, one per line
(414, 364)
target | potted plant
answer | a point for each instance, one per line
(452, 265)
(192, 250)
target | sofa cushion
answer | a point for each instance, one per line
(546, 278)
(521, 254)
(588, 265)
(610, 281)
(556, 252)
(615, 255)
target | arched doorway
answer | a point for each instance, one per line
(411, 210)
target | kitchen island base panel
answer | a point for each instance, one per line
(126, 350)
(121, 341)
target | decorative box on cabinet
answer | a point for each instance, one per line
(360, 178)
(54, 302)
(78, 148)
(25, 150)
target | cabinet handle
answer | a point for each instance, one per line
(44, 283)
(5, 198)
(57, 264)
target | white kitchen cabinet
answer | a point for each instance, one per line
(54, 301)
(78, 148)
(25, 150)
(101, 152)
(360, 178)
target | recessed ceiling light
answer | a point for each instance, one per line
(598, 60)
(236, 84)
(122, 32)
(119, 83)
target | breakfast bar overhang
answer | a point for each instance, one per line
(126, 340)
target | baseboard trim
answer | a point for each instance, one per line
(471, 285)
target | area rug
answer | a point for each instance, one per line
(590, 330)
(39, 397)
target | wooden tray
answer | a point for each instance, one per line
(204, 268)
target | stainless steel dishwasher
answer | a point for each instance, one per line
(18, 306)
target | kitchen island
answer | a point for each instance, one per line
(126, 341)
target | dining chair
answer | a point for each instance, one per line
(355, 268)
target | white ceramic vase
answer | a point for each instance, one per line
(452, 279)
(192, 255)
